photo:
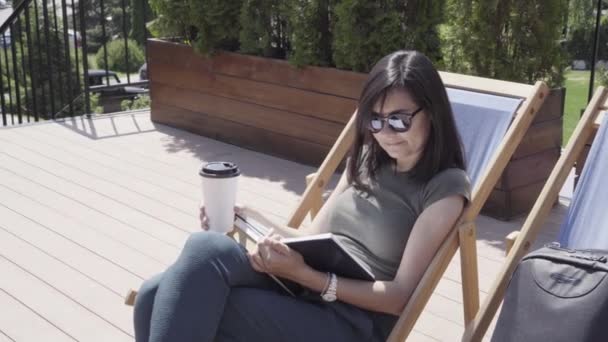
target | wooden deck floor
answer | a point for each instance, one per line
(91, 208)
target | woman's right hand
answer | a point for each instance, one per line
(205, 219)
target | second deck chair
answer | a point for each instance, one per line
(585, 223)
(492, 117)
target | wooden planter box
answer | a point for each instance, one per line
(272, 107)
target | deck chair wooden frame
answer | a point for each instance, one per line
(464, 233)
(582, 134)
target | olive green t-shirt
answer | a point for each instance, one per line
(375, 226)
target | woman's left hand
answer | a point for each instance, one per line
(274, 257)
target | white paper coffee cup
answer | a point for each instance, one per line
(219, 186)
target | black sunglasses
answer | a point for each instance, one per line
(398, 122)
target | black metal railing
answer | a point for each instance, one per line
(46, 51)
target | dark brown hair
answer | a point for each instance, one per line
(414, 72)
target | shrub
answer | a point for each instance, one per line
(207, 25)
(263, 29)
(311, 32)
(141, 102)
(117, 56)
(365, 31)
(515, 40)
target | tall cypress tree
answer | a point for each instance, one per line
(264, 29)
(516, 40)
(140, 14)
(367, 30)
(311, 32)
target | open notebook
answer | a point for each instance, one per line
(323, 252)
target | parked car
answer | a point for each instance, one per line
(111, 98)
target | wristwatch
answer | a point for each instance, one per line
(329, 295)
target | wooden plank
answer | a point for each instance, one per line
(111, 250)
(147, 159)
(599, 119)
(468, 262)
(4, 337)
(306, 128)
(62, 312)
(78, 162)
(507, 204)
(438, 327)
(322, 80)
(540, 137)
(528, 170)
(326, 107)
(553, 107)
(81, 289)
(240, 135)
(137, 210)
(165, 52)
(476, 330)
(94, 266)
(90, 217)
(21, 323)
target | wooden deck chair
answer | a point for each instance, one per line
(524, 102)
(591, 120)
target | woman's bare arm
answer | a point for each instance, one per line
(429, 231)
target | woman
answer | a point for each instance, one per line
(403, 190)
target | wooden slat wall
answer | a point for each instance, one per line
(297, 114)
(531, 164)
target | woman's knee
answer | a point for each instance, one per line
(147, 291)
(205, 246)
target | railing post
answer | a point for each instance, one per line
(58, 55)
(126, 37)
(23, 69)
(4, 122)
(103, 40)
(10, 90)
(32, 73)
(16, 76)
(39, 41)
(47, 34)
(76, 60)
(68, 63)
(85, 62)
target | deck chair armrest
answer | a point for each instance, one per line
(510, 241)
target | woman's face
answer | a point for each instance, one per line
(405, 147)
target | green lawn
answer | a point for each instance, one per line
(577, 87)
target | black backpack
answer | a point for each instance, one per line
(556, 295)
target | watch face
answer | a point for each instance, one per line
(328, 297)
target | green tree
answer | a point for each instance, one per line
(207, 25)
(141, 13)
(112, 17)
(264, 28)
(311, 29)
(516, 40)
(117, 58)
(367, 30)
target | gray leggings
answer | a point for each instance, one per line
(212, 293)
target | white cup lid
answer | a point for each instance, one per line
(220, 170)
